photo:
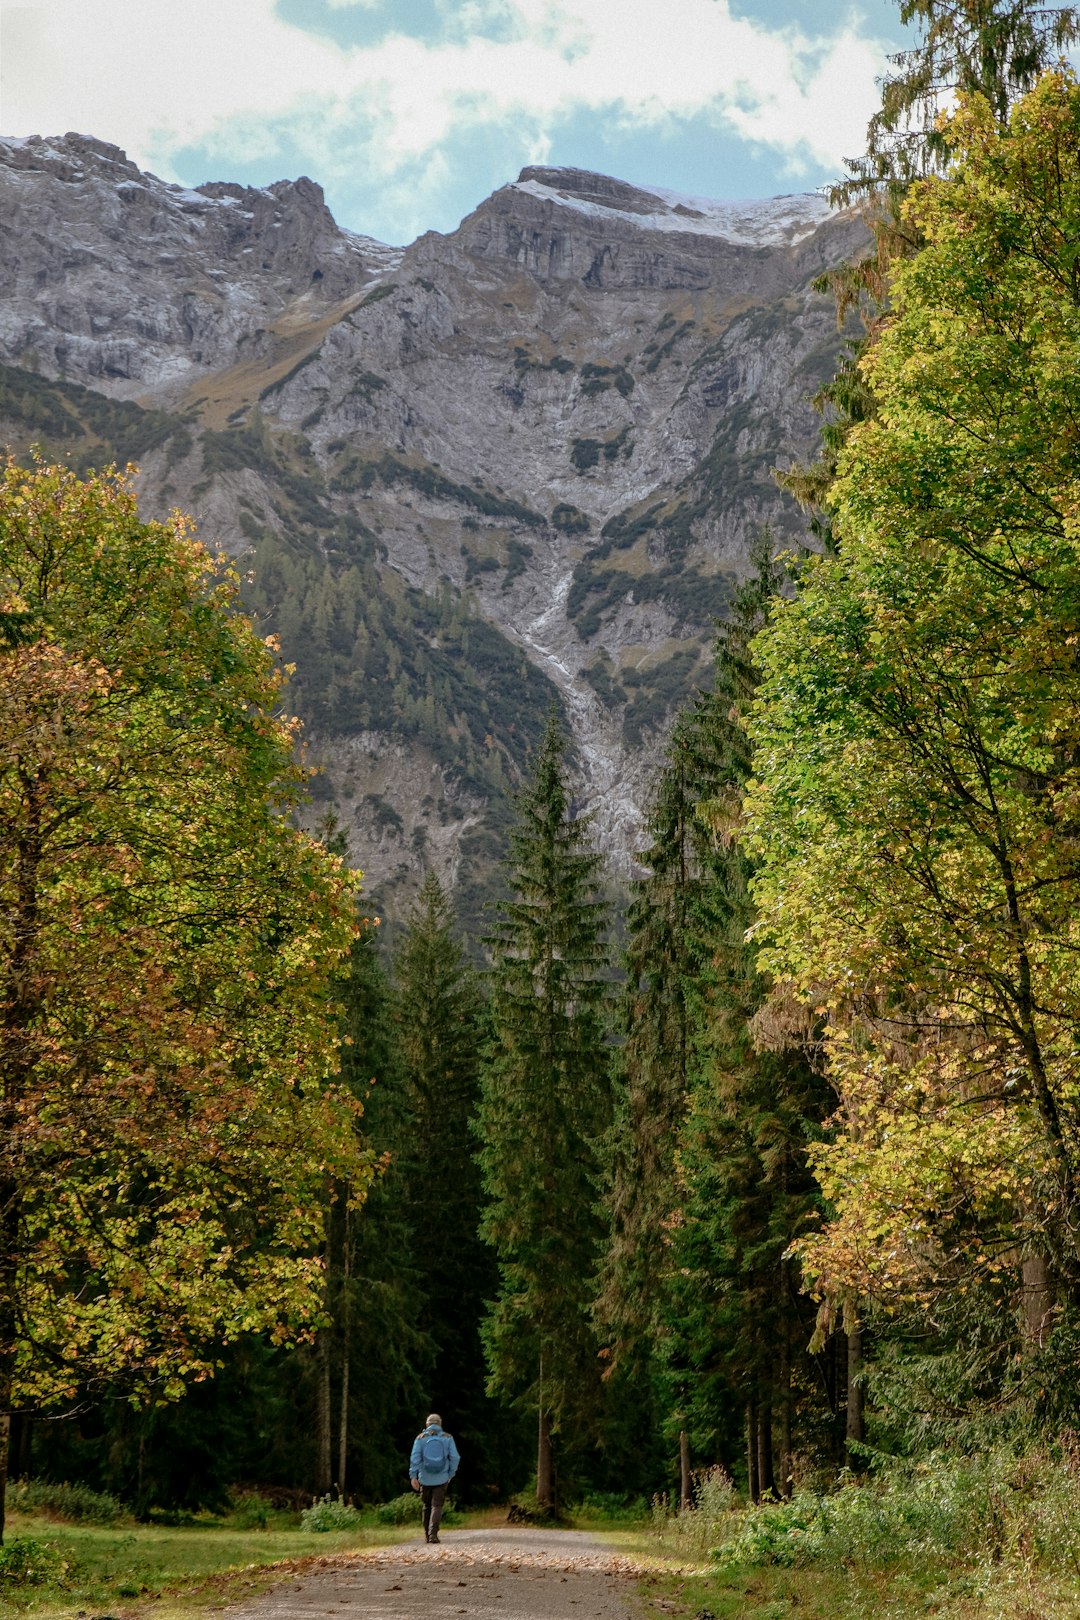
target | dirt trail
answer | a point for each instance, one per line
(508, 1574)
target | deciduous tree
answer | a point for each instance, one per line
(918, 733)
(167, 938)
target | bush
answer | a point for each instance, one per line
(610, 1507)
(251, 1511)
(330, 1513)
(408, 1508)
(26, 1561)
(73, 1503)
(940, 1509)
(525, 1509)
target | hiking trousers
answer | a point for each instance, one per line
(434, 1496)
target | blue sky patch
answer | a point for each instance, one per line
(433, 21)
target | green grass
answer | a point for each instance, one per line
(990, 1536)
(680, 1580)
(901, 1593)
(124, 1570)
(870, 1567)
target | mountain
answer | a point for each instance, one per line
(520, 463)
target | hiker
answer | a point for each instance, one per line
(432, 1465)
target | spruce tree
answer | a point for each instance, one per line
(993, 48)
(438, 1016)
(737, 1323)
(707, 1181)
(545, 1103)
(379, 1351)
(666, 947)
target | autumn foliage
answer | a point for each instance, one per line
(168, 1115)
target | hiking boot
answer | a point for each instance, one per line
(435, 1539)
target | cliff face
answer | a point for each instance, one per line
(117, 280)
(521, 461)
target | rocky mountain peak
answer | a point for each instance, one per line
(583, 185)
(522, 460)
(128, 283)
(771, 222)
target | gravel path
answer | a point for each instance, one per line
(508, 1574)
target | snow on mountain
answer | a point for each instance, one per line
(770, 222)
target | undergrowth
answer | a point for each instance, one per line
(996, 1535)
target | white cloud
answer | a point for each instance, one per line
(155, 76)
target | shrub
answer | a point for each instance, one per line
(570, 519)
(26, 1561)
(714, 1493)
(408, 1508)
(252, 1512)
(940, 1509)
(611, 1507)
(330, 1513)
(74, 1503)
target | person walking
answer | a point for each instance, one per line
(433, 1463)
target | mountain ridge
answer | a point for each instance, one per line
(551, 432)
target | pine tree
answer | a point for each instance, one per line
(438, 1016)
(545, 1103)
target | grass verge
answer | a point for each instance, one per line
(119, 1572)
(902, 1592)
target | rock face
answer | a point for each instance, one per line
(526, 459)
(114, 279)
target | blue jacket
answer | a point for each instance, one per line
(418, 1469)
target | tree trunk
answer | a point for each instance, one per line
(766, 1476)
(753, 1485)
(786, 1462)
(856, 1428)
(20, 999)
(686, 1499)
(7, 1367)
(545, 1482)
(323, 1460)
(346, 1351)
(839, 1395)
(22, 1441)
(1037, 1299)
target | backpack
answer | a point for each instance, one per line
(435, 1454)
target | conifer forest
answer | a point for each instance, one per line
(767, 1161)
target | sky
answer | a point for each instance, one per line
(410, 112)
